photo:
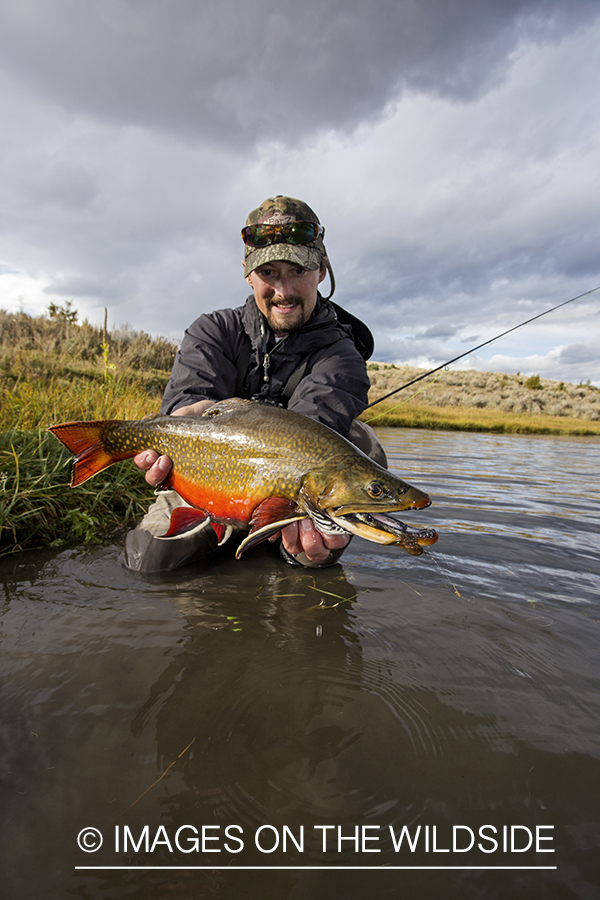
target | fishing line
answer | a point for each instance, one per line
(444, 574)
(386, 412)
(479, 346)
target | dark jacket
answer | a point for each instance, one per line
(233, 353)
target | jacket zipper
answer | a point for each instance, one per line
(267, 360)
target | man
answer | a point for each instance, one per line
(286, 346)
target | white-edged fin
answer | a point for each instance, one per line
(261, 534)
(226, 536)
(184, 532)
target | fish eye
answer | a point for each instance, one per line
(375, 490)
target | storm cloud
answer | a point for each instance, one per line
(266, 70)
(450, 150)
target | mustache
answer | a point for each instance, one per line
(289, 301)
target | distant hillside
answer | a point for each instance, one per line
(533, 396)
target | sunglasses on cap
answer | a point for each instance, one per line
(294, 233)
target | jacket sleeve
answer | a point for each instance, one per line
(335, 390)
(205, 367)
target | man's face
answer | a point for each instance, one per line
(286, 294)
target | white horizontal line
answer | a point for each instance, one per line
(321, 868)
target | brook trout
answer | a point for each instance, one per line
(246, 466)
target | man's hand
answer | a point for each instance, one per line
(303, 537)
(158, 467)
(194, 409)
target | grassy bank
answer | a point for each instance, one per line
(416, 415)
(37, 404)
(53, 369)
(37, 506)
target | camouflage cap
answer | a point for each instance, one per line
(281, 210)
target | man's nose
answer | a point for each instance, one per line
(283, 286)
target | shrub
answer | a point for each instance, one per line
(533, 383)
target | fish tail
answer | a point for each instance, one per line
(85, 440)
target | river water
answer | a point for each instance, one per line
(391, 727)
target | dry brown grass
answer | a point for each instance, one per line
(53, 369)
(27, 342)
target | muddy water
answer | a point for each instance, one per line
(252, 730)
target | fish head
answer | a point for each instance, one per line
(357, 485)
(356, 494)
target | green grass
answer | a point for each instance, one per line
(37, 506)
(52, 370)
(54, 399)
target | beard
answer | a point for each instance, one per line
(278, 322)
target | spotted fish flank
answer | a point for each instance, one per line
(248, 467)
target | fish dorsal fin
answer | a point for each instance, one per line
(185, 520)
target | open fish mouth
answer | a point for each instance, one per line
(384, 529)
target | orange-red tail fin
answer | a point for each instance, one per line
(84, 440)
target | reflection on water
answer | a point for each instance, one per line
(456, 689)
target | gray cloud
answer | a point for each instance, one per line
(223, 69)
(439, 331)
(574, 354)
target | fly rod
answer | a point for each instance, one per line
(479, 346)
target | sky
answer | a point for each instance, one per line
(450, 149)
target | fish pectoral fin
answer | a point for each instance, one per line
(268, 518)
(258, 535)
(223, 532)
(185, 520)
(273, 509)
